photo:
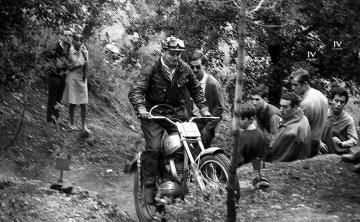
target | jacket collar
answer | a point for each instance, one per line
(293, 117)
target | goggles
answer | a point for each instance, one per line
(172, 43)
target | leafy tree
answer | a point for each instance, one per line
(27, 27)
(287, 30)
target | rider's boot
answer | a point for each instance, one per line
(150, 170)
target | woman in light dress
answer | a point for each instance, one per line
(76, 90)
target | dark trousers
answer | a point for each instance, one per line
(315, 147)
(150, 159)
(56, 88)
(207, 137)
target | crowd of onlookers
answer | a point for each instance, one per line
(305, 125)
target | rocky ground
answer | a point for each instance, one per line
(32, 200)
(323, 188)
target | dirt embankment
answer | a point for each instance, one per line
(115, 137)
(32, 200)
(323, 188)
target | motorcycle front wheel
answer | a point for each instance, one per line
(214, 171)
(145, 212)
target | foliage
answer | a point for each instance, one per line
(29, 28)
(199, 206)
(281, 32)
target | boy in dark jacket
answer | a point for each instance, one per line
(252, 144)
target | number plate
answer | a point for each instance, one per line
(188, 129)
(62, 164)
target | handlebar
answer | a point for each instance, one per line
(204, 117)
(172, 122)
(191, 119)
(162, 117)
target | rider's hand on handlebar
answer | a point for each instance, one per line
(205, 112)
(143, 113)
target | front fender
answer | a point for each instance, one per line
(208, 151)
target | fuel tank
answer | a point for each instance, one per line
(171, 144)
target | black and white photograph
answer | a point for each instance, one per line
(179, 110)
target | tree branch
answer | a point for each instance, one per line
(257, 8)
(268, 26)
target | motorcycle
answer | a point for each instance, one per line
(181, 165)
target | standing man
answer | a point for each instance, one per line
(212, 90)
(292, 141)
(267, 116)
(165, 82)
(340, 131)
(58, 58)
(314, 104)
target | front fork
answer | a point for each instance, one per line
(194, 165)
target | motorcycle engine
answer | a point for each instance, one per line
(171, 184)
(171, 189)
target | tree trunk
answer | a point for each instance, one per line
(231, 217)
(277, 75)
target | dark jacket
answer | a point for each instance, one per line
(153, 87)
(57, 57)
(214, 97)
(264, 118)
(214, 101)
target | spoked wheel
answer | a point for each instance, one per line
(214, 170)
(144, 211)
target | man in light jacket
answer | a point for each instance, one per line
(314, 104)
(293, 139)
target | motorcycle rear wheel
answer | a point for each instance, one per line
(145, 212)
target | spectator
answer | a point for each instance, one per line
(340, 131)
(314, 105)
(165, 82)
(293, 140)
(76, 90)
(250, 145)
(212, 90)
(56, 82)
(267, 115)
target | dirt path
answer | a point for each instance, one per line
(109, 182)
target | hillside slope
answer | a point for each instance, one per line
(114, 139)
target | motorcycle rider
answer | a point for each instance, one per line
(164, 82)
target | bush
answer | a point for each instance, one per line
(199, 206)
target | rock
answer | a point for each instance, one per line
(276, 207)
(306, 167)
(132, 127)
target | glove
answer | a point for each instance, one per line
(143, 113)
(205, 112)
